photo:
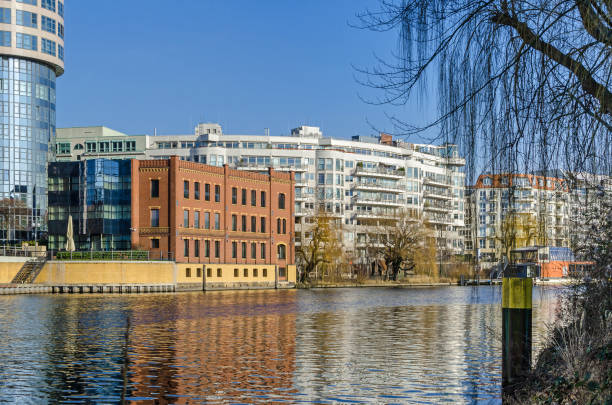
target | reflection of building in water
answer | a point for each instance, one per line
(224, 345)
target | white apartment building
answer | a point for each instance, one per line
(541, 209)
(357, 181)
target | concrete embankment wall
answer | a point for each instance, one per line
(9, 267)
(93, 272)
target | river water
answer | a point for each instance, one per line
(364, 345)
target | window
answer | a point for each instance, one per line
(217, 249)
(219, 273)
(32, 2)
(254, 272)
(185, 189)
(154, 243)
(263, 198)
(217, 193)
(47, 24)
(117, 146)
(246, 272)
(186, 218)
(60, 30)
(187, 272)
(262, 251)
(244, 196)
(25, 41)
(208, 272)
(234, 250)
(234, 223)
(253, 198)
(5, 15)
(196, 248)
(244, 250)
(234, 195)
(155, 218)
(60, 53)
(281, 201)
(196, 190)
(207, 220)
(253, 250)
(207, 192)
(278, 225)
(26, 18)
(186, 247)
(48, 4)
(235, 272)
(154, 185)
(284, 226)
(263, 225)
(104, 147)
(282, 251)
(63, 148)
(217, 221)
(48, 46)
(5, 38)
(253, 224)
(60, 8)
(206, 248)
(196, 219)
(244, 223)
(264, 272)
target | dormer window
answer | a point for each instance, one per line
(486, 181)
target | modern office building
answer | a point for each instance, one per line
(358, 181)
(31, 58)
(508, 211)
(97, 194)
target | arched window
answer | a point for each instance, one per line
(282, 251)
(281, 201)
(78, 146)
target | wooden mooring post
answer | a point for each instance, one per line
(516, 328)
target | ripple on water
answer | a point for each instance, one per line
(349, 345)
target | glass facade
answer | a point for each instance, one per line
(97, 193)
(27, 129)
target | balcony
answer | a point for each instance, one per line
(434, 182)
(373, 215)
(381, 172)
(435, 206)
(396, 188)
(398, 202)
(437, 195)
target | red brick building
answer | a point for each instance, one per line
(213, 215)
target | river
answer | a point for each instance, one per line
(362, 345)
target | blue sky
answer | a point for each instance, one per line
(138, 65)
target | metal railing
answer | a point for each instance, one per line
(18, 251)
(112, 255)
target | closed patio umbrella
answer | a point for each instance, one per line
(70, 236)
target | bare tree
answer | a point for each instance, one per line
(321, 250)
(521, 83)
(403, 238)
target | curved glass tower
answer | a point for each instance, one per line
(32, 57)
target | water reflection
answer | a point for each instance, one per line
(354, 345)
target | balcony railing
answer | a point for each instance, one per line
(434, 181)
(382, 201)
(377, 186)
(380, 172)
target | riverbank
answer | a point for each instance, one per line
(368, 283)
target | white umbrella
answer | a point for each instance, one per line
(69, 236)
